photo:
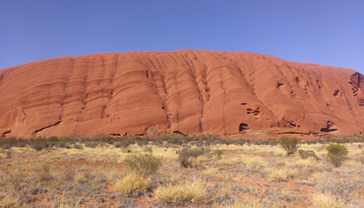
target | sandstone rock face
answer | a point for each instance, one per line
(185, 91)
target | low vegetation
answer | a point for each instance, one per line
(336, 154)
(131, 184)
(182, 192)
(142, 164)
(289, 144)
(180, 171)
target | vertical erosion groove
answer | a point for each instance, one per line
(194, 74)
(152, 76)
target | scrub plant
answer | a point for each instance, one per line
(336, 154)
(142, 164)
(290, 144)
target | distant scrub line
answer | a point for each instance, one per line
(40, 143)
(209, 173)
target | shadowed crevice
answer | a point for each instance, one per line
(55, 124)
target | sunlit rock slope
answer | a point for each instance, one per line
(187, 91)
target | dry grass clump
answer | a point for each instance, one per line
(231, 160)
(255, 163)
(131, 184)
(112, 175)
(351, 164)
(79, 178)
(183, 192)
(244, 205)
(69, 206)
(321, 200)
(292, 173)
(278, 175)
(320, 175)
(339, 187)
(8, 201)
(5, 154)
(210, 171)
(302, 163)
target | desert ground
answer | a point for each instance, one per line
(109, 172)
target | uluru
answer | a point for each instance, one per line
(187, 91)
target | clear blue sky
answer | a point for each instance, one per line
(310, 31)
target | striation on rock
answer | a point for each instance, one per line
(184, 91)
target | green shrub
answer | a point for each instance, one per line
(142, 164)
(336, 154)
(289, 144)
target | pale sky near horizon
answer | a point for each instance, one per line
(324, 32)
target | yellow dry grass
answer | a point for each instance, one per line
(278, 175)
(321, 200)
(254, 163)
(8, 201)
(184, 192)
(130, 184)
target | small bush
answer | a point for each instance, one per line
(39, 145)
(69, 172)
(289, 144)
(184, 158)
(131, 184)
(91, 144)
(117, 144)
(77, 146)
(188, 192)
(336, 154)
(218, 153)
(7, 146)
(196, 151)
(8, 154)
(52, 140)
(187, 154)
(142, 164)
